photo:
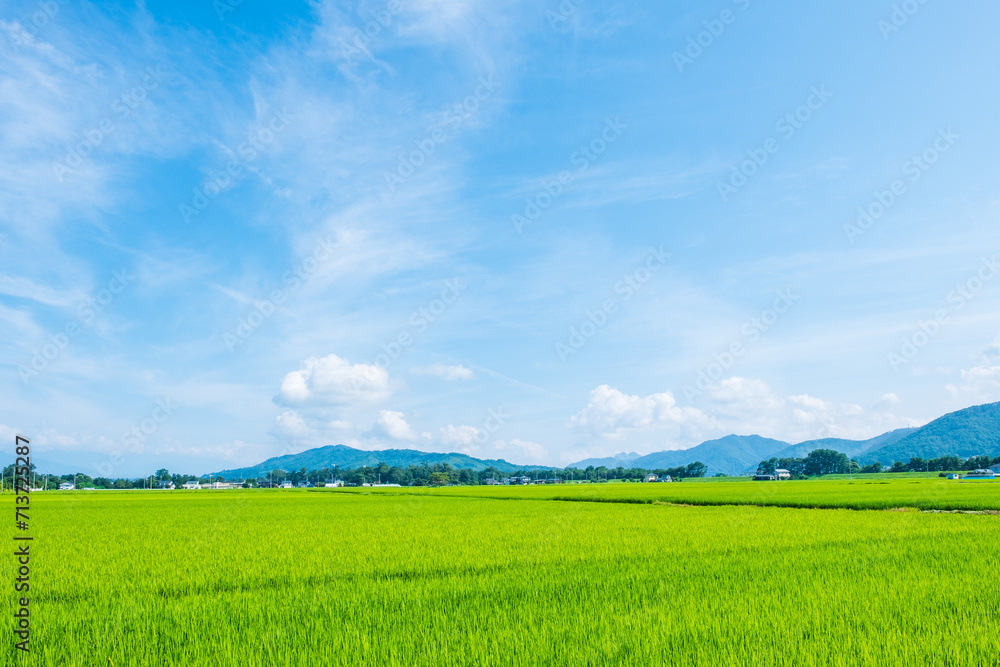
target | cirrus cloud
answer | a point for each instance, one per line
(446, 372)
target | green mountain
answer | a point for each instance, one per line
(732, 455)
(852, 448)
(348, 457)
(965, 433)
(623, 459)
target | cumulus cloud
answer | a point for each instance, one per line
(736, 405)
(613, 413)
(517, 450)
(751, 406)
(446, 372)
(980, 384)
(460, 435)
(395, 426)
(331, 380)
(887, 400)
(290, 424)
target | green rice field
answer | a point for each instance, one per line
(876, 492)
(514, 576)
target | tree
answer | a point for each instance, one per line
(767, 467)
(873, 468)
(696, 469)
(439, 478)
(826, 462)
(162, 475)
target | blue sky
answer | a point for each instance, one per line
(535, 231)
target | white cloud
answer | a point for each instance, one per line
(980, 384)
(459, 435)
(888, 399)
(290, 424)
(334, 381)
(736, 405)
(518, 450)
(613, 413)
(446, 372)
(395, 426)
(748, 406)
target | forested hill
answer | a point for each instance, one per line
(973, 431)
(347, 457)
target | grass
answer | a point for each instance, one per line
(331, 577)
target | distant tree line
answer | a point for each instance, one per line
(438, 474)
(81, 481)
(830, 462)
(944, 464)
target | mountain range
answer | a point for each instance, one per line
(964, 433)
(343, 456)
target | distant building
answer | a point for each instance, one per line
(285, 485)
(165, 484)
(334, 484)
(981, 473)
(191, 485)
(996, 468)
(67, 486)
(652, 478)
(954, 476)
(781, 473)
(304, 485)
(764, 478)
